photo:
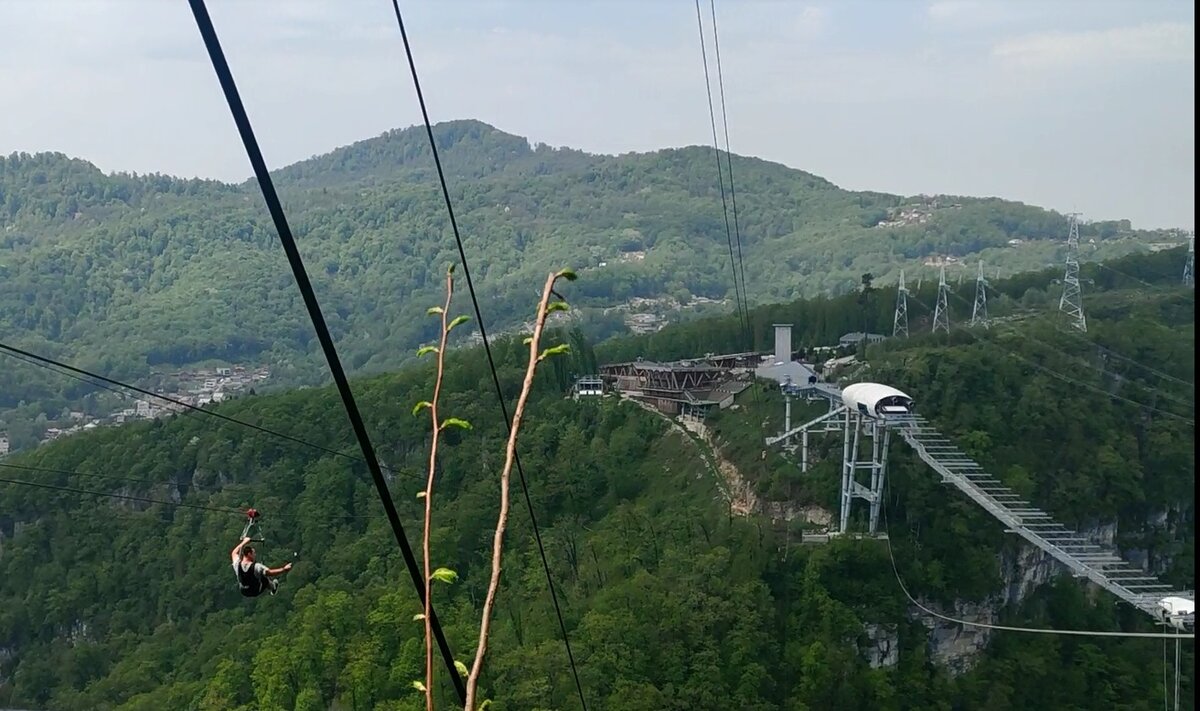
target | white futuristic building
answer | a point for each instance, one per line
(876, 401)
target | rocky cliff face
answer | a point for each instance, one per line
(956, 647)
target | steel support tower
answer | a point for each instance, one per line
(900, 321)
(856, 429)
(1189, 267)
(979, 312)
(941, 314)
(1071, 302)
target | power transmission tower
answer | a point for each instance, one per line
(1189, 268)
(979, 312)
(941, 313)
(900, 322)
(1071, 302)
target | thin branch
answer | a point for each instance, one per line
(510, 454)
(433, 414)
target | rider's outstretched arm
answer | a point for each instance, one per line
(272, 572)
(237, 550)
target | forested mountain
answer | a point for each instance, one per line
(672, 601)
(128, 274)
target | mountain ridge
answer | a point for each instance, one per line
(122, 271)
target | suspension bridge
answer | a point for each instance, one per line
(874, 411)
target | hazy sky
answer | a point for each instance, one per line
(1070, 104)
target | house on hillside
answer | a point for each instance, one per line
(3, 443)
(851, 340)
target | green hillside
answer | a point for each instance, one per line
(131, 274)
(671, 601)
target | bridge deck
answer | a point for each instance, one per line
(1084, 558)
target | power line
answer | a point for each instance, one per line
(1138, 363)
(1070, 380)
(487, 348)
(225, 77)
(739, 299)
(1080, 338)
(737, 231)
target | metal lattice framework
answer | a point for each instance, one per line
(900, 321)
(979, 314)
(857, 428)
(1071, 302)
(941, 312)
(663, 379)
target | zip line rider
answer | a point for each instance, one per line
(253, 577)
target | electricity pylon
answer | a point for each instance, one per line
(900, 322)
(941, 314)
(1071, 302)
(979, 313)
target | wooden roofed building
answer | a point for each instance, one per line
(682, 388)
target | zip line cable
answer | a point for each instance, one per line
(67, 370)
(1008, 628)
(743, 315)
(54, 487)
(737, 231)
(131, 480)
(487, 348)
(29, 361)
(225, 77)
(71, 472)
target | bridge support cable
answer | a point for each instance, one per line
(1009, 628)
(242, 120)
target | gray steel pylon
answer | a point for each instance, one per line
(900, 322)
(1071, 302)
(858, 428)
(979, 312)
(1189, 268)
(941, 313)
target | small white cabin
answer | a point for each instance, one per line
(876, 401)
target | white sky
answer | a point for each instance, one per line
(1069, 104)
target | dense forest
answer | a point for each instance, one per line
(129, 274)
(671, 600)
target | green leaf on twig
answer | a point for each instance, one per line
(444, 575)
(560, 349)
